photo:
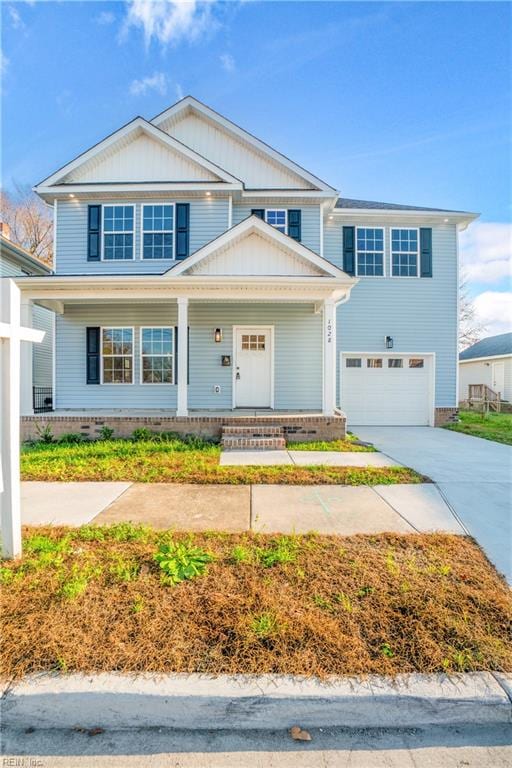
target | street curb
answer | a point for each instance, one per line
(116, 701)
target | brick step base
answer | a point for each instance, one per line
(248, 443)
(258, 430)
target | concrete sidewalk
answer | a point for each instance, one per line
(337, 509)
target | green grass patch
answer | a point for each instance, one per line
(180, 461)
(252, 604)
(349, 444)
(490, 426)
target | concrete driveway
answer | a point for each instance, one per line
(474, 475)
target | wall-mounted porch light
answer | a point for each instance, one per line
(217, 336)
(389, 342)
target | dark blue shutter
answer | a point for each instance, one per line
(426, 252)
(94, 233)
(182, 230)
(294, 224)
(259, 212)
(349, 250)
(93, 356)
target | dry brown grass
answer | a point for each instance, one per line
(343, 605)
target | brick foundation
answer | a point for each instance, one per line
(296, 427)
(446, 416)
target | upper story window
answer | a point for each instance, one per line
(117, 355)
(118, 232)
(370, 251)
(276, 218)
(404, 252)
(157, 231)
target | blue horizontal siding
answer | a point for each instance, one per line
(42, 353)
(419, 313)
(208, 220)
(297, 355)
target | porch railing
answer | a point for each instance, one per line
(483, 396)
(42, 399)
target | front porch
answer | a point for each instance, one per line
(296, 426)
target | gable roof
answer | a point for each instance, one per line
(492, 346)
(250, 226)
(121, 138)
(191, 106)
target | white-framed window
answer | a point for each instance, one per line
(118, 229)
(278, 218)
(158, 231)
(353, 362)
(370, 251)
(404, 252)
(416, 362)
(374, 362)
(253, 342)
(117, 355)
(157, 355)
(395, 362)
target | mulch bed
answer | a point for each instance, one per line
(383, 604)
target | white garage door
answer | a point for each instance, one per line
(386, 389)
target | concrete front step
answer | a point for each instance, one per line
(234, 443)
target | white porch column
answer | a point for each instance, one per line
(27, 378)
(329, 355)
(182, 404)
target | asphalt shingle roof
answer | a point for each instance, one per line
(490, 347)
(347, 202)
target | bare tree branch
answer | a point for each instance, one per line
(471, 329)
(30, 222)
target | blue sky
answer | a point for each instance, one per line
(404, 102)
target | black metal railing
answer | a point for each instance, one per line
(42, 399)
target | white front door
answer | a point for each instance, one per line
(253, 367)
(498, 377)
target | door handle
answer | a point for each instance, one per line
(237, 373)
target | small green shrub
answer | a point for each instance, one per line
(77, 582)
(280, 552)
(179, 561)
(138, 604)
(386, 650)
(124, 570)
(38, 544)
(265, 626)
(6, 575)
(90, 533)
(106, 433)
(70, 438)
(127, 532)
(142, 433)
(240, 554)
(44, 433)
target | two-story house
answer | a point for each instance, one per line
(202, 277)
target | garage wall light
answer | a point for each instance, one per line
(389, 342)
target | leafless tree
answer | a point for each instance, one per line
(471, 329)
(30, 222)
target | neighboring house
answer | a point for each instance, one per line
(203, 276)
(16, 261)
(489, 362)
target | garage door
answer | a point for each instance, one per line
(386, 389)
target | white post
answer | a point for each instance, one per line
(26, 402)
(182, 404)
(329, 355)
(11, 334)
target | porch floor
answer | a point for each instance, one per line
(266, 413)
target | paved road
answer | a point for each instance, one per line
(435, 747)
(474, 475)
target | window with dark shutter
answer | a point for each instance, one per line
(426, 252)
(94, 233)
(295, 224)
(349, 237)
(182, 230)
(93, 355)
